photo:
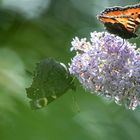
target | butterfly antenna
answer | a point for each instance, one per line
(123, 42)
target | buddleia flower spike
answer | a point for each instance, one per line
(105, 67)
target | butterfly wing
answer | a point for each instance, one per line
(133, 11)
(129, 23)
(122, 26)
(122, 21)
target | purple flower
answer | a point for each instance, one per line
(108, 65)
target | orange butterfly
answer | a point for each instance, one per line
(122, 21)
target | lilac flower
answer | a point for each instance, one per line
(108, 66)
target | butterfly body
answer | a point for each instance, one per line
(122, 21)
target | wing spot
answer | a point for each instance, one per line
(131, 22)
(130, 27)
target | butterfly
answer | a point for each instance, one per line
(122, 21)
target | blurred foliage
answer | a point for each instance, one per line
(26, 40)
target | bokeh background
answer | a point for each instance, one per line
(32, 30)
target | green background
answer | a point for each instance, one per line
(27, 37)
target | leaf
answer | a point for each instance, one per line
(51, 80)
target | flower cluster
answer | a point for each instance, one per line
(108, 65)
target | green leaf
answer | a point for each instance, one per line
(51, 80)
